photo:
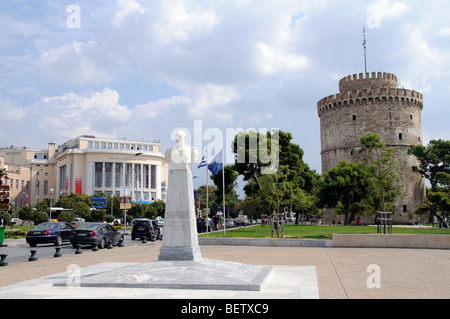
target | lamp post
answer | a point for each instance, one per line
(51, 198)
(126, 170)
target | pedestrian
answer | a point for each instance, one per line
(199, 225)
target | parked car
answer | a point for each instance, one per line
(145, 228)
(50, 232)
(15, 222)
(99, 234)
(229, 222)
(241, 220)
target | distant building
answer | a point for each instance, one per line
(373, 103)
(91, 165)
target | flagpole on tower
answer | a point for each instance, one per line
(365, 52)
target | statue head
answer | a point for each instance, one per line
(180, 137)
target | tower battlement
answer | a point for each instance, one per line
(368, 80)
(362, 96)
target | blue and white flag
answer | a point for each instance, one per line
(216, 165)
(203, 162)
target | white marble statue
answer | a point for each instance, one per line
(180, 240)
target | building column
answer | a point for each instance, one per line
(103, 176)
(133, 182)
(158, 182)
(124, 175)
(149, 177)
(113, 178)
(142, 181)
(90, 179)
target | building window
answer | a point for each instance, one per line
(405, 208)
(410, 117)
(98, 174)
(108, 174)
(400, 136)
(354, 117)
(118, 174)
(45, 188)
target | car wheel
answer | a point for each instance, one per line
(58, 241)
(102, 243)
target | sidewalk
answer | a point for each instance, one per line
(340, 273)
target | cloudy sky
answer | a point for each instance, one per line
(139, 69)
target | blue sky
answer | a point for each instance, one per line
(141, 68)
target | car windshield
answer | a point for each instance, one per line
(142, 223)
(88, 226)
(47, 226)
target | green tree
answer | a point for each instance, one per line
(348, 185)
(382, 166)
(3, 175)
(230, 185)
(254, 154)
(25, 213)
(434, 162)
(70, 200)
(434, 165)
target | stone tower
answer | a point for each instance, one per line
(374, 103)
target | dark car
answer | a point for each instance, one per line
(99, 234)
(145, 228)
(51, 232)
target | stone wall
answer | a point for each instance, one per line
(372, 103)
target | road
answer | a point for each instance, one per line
(23, 252)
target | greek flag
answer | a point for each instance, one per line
(203, 162)
(216, 165)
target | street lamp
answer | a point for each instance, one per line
(51, 198)
(132, 187)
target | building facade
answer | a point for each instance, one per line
(89, 165)
(18, 180)
(373, 103)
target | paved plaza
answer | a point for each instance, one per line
(297, 273)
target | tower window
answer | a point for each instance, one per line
(400, 136)
(410, 116)
(405, 208)
(354, 117)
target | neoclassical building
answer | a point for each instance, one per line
(89, 165)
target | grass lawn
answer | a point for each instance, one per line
(317, 232)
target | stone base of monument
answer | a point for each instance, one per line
(201, 273)
(179, 253)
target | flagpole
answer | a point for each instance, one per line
(365, 55)
(207, 194)
(223, 186)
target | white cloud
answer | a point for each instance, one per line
(71, 114)
(273, 60)
(124, 8)
(79, 63)
(444, 32)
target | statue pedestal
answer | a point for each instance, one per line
(180, 241)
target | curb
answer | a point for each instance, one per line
(265, 242)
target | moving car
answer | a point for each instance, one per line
(99, 234)
(50, 232)
(145, 228)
